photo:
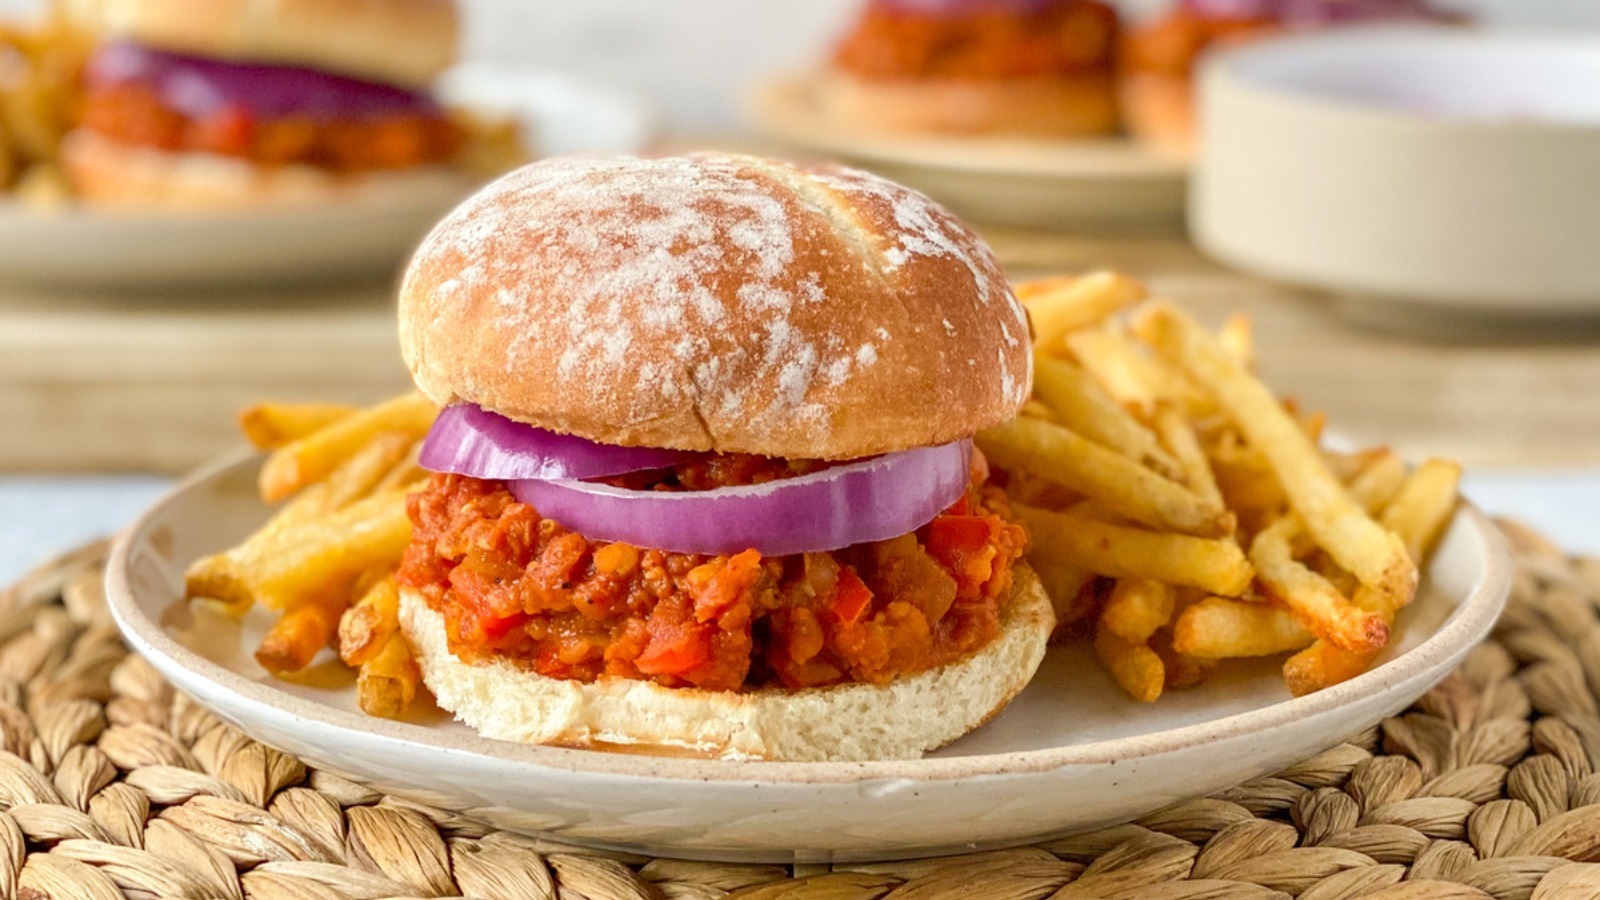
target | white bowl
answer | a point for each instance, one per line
(1438, 167)
(1070, 753)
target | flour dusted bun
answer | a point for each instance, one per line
(716, 302)
(1079, 106)
(404, 42)
(850, 722)
(112, 174)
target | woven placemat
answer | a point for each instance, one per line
(113, 784)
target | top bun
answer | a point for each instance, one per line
(716, 302)
(402, 42)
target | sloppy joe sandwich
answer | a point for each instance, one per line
(1159, 58)
(226, 103)
(704, 476)
(1025, 67)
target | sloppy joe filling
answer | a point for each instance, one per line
(1061, 38)
(1173, 44)
(514, 586)
(132, 113)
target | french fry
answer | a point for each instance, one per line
(1068, 589)
(1131, 374)
(297, 637)
(280, 567)
(1118, 483)
(313, 457)
(218, 576)
(1237, 337)
(1309, 596)
(1081, 404)
(387, 683)
(1339, 524)
(1179, 436)
(271, 425)
(1136, 668)
(1059, 306)
(1377, 484)
(1423, 506)
(1183, 671)
(1220, 628)
(1118, 551)
(1138, 607)
(369, 623)
(1419, 513)
(1033, 409)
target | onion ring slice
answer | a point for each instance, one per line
(868, 500)
(469, 440)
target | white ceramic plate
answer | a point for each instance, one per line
(1070, 753)
(1101, 182)
(370, 234)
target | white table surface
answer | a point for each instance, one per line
(43, 515)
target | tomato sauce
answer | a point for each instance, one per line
(134, 114)
(1062, 38)
(513, 585)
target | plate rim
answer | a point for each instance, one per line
(1472, 619)
(776, 106)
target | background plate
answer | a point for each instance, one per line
(371, 234)
(1070, 753)
(1108, 183)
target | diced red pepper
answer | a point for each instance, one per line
(963, 545)
(852, 597)
(676, 653)
(227, 132)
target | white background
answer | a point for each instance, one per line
(694, 58)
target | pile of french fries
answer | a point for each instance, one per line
(1185, 516)
(40, 73)
(326, 559)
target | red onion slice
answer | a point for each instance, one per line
(198, 87)
(470, 440)
(870, 500)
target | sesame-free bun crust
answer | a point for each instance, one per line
(846, 723)
(1079, 105)
(403, 42)
(716, 302)
(108, 173)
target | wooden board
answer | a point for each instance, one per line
(152, 384)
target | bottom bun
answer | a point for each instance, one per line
(1158, 109)
(1074, 106)
(843, 723)
(109, 173)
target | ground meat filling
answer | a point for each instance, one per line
(512, 585)
(1062, 38)
(134, 114)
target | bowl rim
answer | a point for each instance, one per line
(1225, 68)
(1474, 615)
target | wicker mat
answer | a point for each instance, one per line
(113, 784)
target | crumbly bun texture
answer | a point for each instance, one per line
(1069, 106)
(844, 723)
(112, 174)
(402, 42)
(1159, 110)
(716, 302)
